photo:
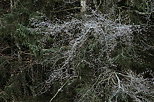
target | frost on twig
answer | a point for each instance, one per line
(98, 44)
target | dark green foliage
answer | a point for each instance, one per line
(29, 58)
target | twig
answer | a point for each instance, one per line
(119, 85)
(58, 91)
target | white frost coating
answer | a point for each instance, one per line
(78, 32)
(104, 30)
(83, 37)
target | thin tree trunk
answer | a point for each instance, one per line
(83, 6)
(11, 5)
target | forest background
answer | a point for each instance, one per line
(54, 50)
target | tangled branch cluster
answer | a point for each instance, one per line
(101, 47)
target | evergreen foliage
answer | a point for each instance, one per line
(49, 51)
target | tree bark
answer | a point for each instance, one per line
(11, 5)
(83, 5)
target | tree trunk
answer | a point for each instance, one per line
(11, 5)
(83, 6)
